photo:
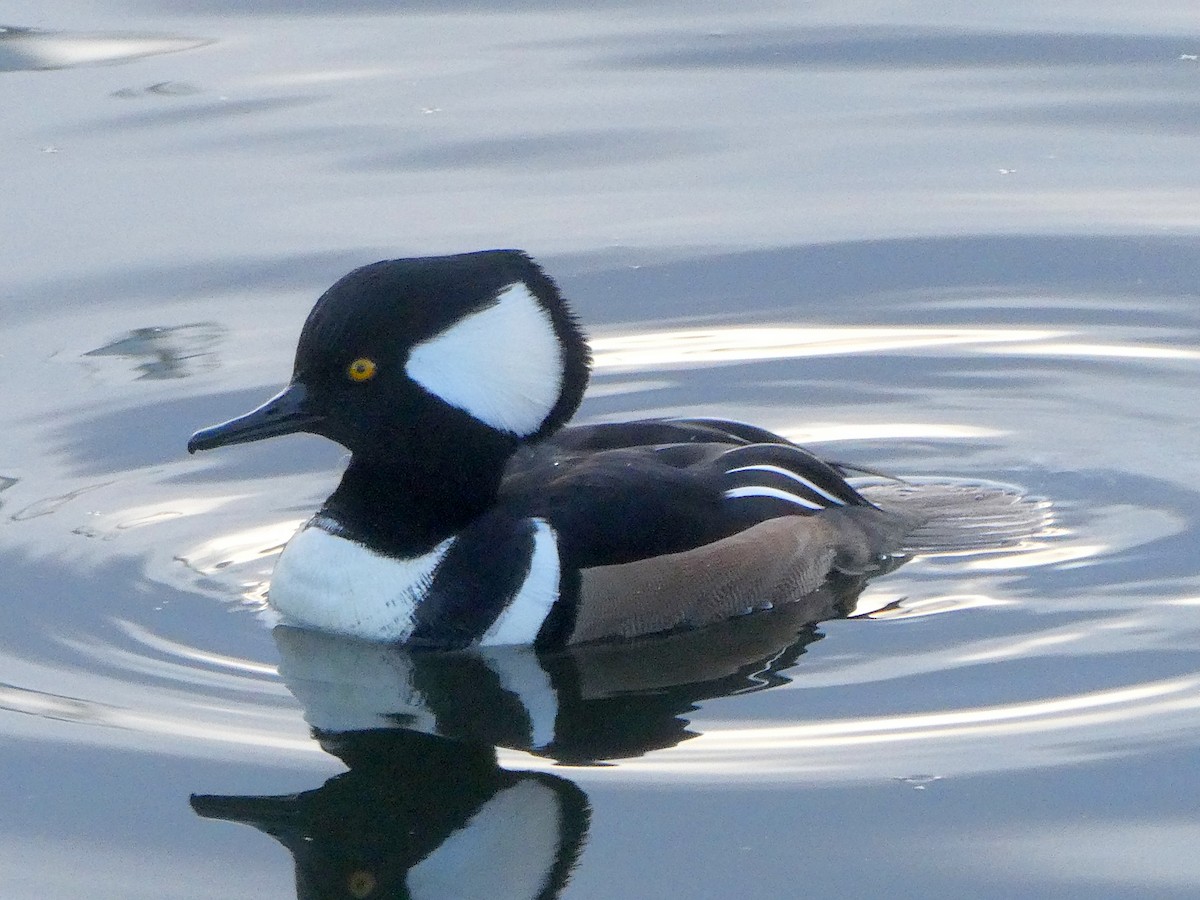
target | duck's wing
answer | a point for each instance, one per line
(658, 432)
(622, 505)
(664, 536)
(612, 506)
(687, 533)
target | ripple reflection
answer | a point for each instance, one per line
(699, 346)
(28, 49)
(160, 673)
(1058, 730)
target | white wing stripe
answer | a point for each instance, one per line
(787, 473)
(756, 491)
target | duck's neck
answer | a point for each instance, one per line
(405, 508)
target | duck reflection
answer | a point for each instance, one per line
(426, 810)
(421, 817)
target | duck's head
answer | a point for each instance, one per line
(476, 351)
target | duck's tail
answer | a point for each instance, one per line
(960, 516)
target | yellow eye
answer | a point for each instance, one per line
(360, 883)
(362, 369)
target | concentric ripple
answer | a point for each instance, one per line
(159, 637)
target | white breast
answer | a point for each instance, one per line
(335, 584)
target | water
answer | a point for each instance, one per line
(935, 245)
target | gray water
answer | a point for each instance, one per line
(938, 242)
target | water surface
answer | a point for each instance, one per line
(935, 246)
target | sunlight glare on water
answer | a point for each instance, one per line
(951, 244)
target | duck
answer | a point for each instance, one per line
(471, 514)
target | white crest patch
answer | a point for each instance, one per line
(503, 365)
(522, 618)
(508, 848)
(335, 584)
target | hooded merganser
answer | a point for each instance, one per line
(468, 513)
